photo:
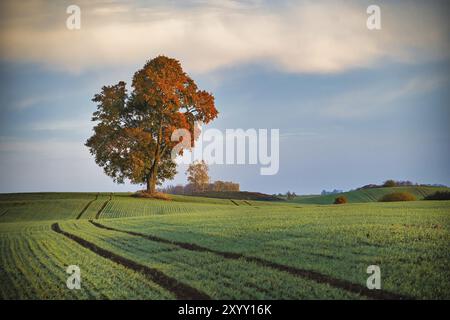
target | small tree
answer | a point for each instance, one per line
(340, 200)
(198, 175)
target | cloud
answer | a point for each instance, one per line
(62, 125)
(50, 148)
(364, 103)
(299, 37)
(31, 101)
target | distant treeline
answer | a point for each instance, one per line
(439, 195)
(393, 183)
(217, 186)
(335, 191)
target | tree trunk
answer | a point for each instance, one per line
(153, 176)
(149, 183)
(151, 180)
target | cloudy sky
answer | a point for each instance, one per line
(354, 106)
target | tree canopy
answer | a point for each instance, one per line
(198, 175)
(132, 137)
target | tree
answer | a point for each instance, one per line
(132, 139)
(198, 175)
(290, 195)
(221, 186)
(389, 183)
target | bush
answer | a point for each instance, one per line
(398, 196)
(439, 195)
(340, 200)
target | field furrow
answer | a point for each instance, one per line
(34, 261)
(180, 290)
(219, 276)
(87, 206)
(307, 274)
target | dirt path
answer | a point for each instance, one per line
(179, 289)
(307, 274)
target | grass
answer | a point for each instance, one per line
(368, 195)
(34, 260)
(240, 195)
(218, 277)
(33, 210)
(409, 241)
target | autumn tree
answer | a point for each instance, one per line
(198, 175)
(132, 139)
(221, 186)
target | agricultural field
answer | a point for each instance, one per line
(369, 195)
(205, 248)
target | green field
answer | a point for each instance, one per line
(191, 247)
(368, 195)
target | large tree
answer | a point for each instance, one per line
(132, 139)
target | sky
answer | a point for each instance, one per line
(354, 106)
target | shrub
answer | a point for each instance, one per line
(439, 195)
(398, 196)
(340, 200)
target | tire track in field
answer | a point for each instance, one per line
(303, 273)
(179, 289)
(103, 207)
(3, 213)
(86, 207)
(249, 204)
(234, 202)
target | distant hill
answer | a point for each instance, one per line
(238, 195)
(369, 195)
